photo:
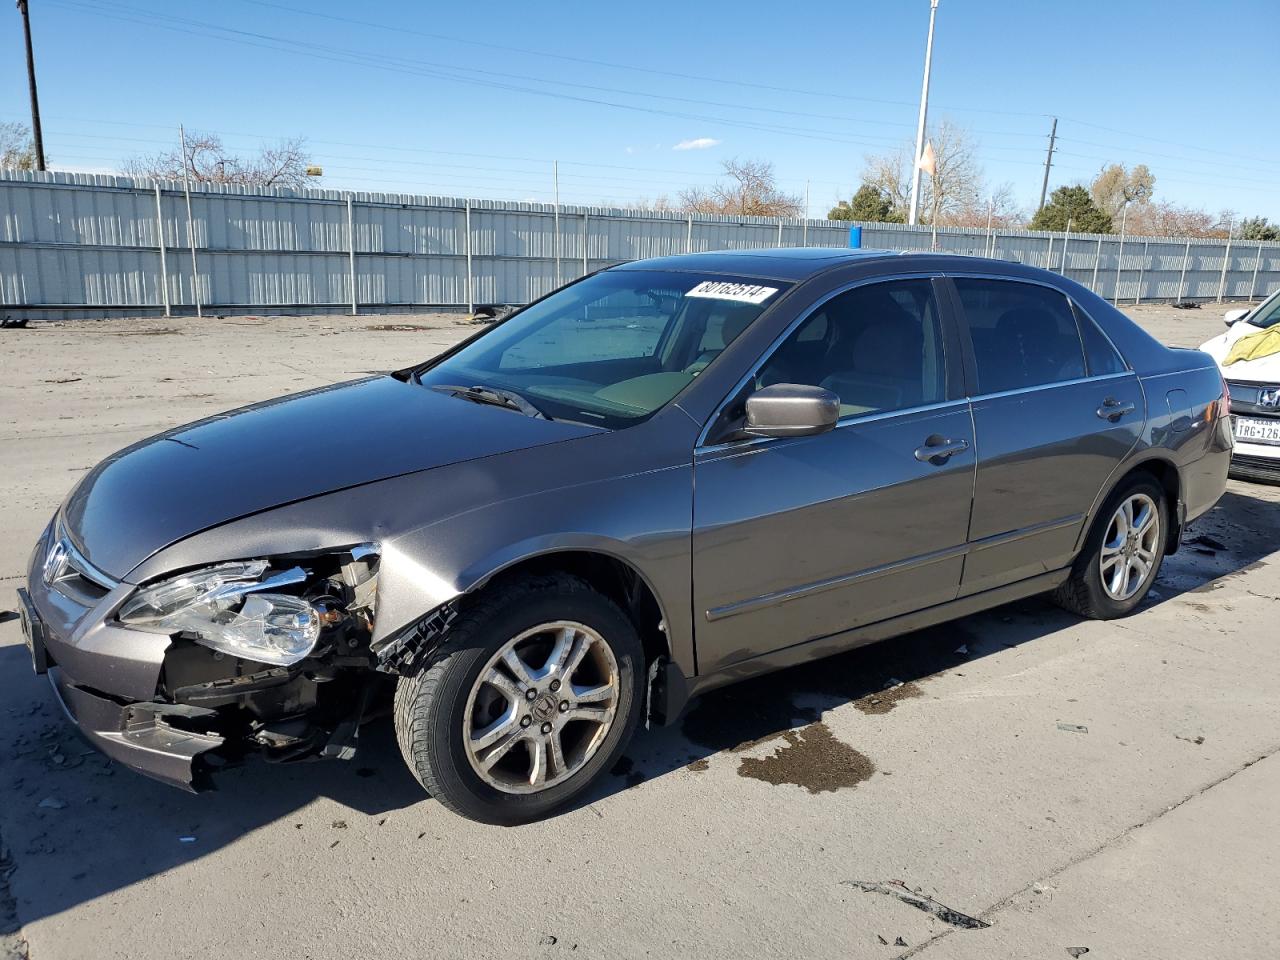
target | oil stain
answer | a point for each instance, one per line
(886, 700)
(626, 768)
(811, 758)
(699, 766)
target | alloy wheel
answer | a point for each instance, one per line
(1130, 547)
(541, 707)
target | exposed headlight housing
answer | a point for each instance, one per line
(231, 608)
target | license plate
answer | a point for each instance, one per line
(32, 633)
(1258, 431)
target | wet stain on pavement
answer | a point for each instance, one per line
(626, 768)
(699, 766)
(886, 700)
(811, 758)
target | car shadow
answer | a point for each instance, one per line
(77, 826)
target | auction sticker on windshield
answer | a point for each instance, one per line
(724, 290)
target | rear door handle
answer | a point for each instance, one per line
(938, 450)
(1112, 409)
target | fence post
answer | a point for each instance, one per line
(1142, 270)
(586, 240)
(688, 237)
(1066, 239)
(191, 227)
(351, 252)
(471, 296)
(1226, 260)
(555, 173)
(1097, 259)
(990, 237)
(804, 233)
(1124, 215)
(1253, 284)
(1048, 256)
(1182, 279)
(164, 268)
(779, 243)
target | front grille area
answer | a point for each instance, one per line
(67, 571)
(1248, 397)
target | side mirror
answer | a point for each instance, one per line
(1234, 316)
(791, 410)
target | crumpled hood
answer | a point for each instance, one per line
(195, 477)
(1262, 370)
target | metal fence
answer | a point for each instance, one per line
(92, 245)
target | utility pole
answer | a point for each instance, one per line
(1048, 163)
(36, 137)
(912, 217)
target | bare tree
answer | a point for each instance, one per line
(1171, 220)
(956, 185)
(208, 161)
(17, 149)
(1116, 186)
(1000, 204)
(749, 189)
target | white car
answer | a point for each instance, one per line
(1255, 392)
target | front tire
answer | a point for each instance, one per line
(1121, 556)
(537, 692)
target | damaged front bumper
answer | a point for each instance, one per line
(177, 710)
(143, 736)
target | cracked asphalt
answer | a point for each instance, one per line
(1109, 786)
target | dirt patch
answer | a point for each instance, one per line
(811, 758)
(396, 327)
(699, 766)
(145, 332)
(886, 700)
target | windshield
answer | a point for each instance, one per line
(612, 349)
(1267, 315)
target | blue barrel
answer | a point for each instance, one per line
(855, 237)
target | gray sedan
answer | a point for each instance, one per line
(664, 477)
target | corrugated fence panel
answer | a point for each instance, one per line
(82, 244)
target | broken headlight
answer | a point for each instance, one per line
(232, 608)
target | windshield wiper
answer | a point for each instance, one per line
(494, 397)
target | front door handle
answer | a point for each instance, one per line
(1112, 409)
(938, 450)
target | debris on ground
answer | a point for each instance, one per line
(339, 824)
(900, 891)
(1073, 728)
(8, 323)
(963, 649)
(1196, 740)
(899, 942)
(1077, 951)
(882, 940)
(65, 380)
(1185, 305)
(548, 940)
(52, 803)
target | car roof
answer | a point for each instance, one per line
(781, 263)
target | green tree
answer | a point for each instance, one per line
(1258, 228)
(1074, 205)
(870, 204)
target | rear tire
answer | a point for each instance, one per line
(1122, 554)
(477, 725)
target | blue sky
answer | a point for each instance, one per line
(477, 99)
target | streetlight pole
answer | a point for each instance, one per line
(36, 137)
(913, 217)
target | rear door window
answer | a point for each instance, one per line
(1023, 334)
(1099, 351)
